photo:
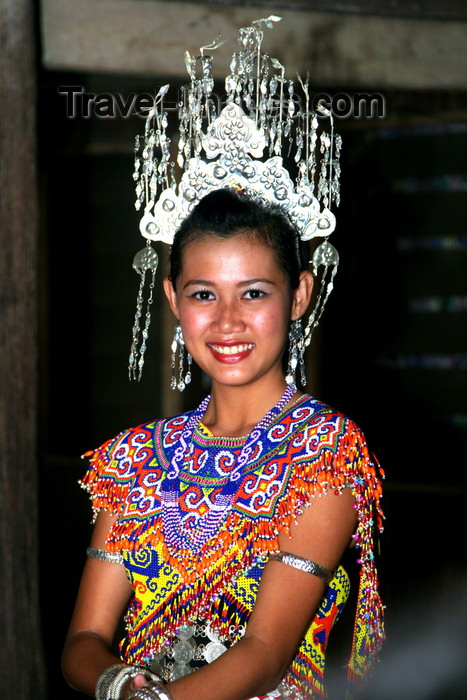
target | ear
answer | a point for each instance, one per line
(171, 295)
(302, 295)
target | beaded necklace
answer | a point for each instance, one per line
(178, 536)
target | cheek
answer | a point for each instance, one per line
(274, 322)
(192, 322)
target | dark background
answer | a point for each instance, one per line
(391, 353)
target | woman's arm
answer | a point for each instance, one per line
(286, 603)
(102, 598)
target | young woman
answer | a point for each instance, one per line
(220, 531)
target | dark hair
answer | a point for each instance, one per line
(225, 213)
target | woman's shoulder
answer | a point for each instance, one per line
(141, 434)
(313, 427)
(116, 464)
(312, 413)
(330, 447)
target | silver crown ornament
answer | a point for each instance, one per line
(265, 118)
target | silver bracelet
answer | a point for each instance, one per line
(121, 678)
(153, 691)
(112, 680)
(106, 679)
(304, 565)
(102, 555)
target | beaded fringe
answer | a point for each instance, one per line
(206, 573)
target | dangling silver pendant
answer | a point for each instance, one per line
(178, 343)
(296, 349)
(146, 260)
(325, 256)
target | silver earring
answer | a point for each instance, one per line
(178, 342)
(296, 353)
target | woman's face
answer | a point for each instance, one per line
(234, 305)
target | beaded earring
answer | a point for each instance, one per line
(178, 342)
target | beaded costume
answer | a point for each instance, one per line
(189, 606)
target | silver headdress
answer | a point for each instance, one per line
(263, 118)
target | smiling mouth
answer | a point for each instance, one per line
(231, 349)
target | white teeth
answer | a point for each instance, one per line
(232, 349)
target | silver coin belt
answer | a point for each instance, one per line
(194, 646)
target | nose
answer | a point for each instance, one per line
(228, 318)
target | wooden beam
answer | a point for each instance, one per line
(22, 672)
(428, 9)
(150, 37)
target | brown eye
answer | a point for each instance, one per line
(203, 295)
(255, 293)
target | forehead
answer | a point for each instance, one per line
(242, 252)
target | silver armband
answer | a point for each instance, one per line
(303, 565)
(102, 555)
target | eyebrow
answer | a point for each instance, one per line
(244, 283)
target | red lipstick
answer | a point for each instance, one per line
(230, 351)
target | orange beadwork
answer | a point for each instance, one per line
(310, 450)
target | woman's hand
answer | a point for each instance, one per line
(285, 605)
(135, 683)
